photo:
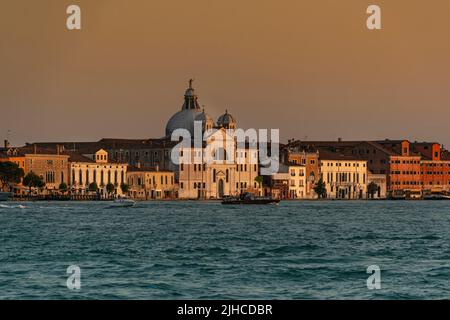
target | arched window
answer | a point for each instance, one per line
(214, 175)
(87, 176)
(95, 176)
(73, 176)
(80, 177)
(109, 176)
(226, 175)
(102, 178)
(115, 177)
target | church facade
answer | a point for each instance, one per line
(219, 166)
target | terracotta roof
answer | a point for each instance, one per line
(380, 147)
(77, 157)
(146, 169)
(343, 147)
(30, 149)
(110, 143)
(325, 154)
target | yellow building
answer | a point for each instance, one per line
(89, 168)
(51, 165)
(12, 154)
(345, 176)
(297, 181)
(150, 183)
(288, 183)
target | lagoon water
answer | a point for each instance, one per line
(202, 250)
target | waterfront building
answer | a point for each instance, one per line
(278, 186)
(151, 183)
(403, 169)
(381, 185)
(95, 168)
(50, 164)
(345, 176)
(12, 154)
(307, 156)
(297, 181)
(288, 183)
(395, 159)
(434, 167)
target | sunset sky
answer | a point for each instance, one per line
(308, 67)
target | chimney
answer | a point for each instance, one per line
(157, 168)
(339, 139)
(7, 143)
(57, 149)
(34, 148)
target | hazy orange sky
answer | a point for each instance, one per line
(308, 67)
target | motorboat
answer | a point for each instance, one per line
(437, 196)
(123, 203)
(248, 198)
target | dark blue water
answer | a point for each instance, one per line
(192, 250)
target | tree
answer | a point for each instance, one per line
(124, 187)
(32, 180)
(110, 188)
(372, 189)
(63, 187)
(320, 188)
(93, 187)
(260, 180)
(10, 173)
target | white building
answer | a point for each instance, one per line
(218, 166)
(95, 168)
(223, 170)
(345, 176)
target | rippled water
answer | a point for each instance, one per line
(194, 250)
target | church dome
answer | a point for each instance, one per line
(226, 121)
(185, 118)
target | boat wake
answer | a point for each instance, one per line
(12, 207)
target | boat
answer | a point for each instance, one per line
(123, 203)
(5, 196)
(248, 198)
(437, 196)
